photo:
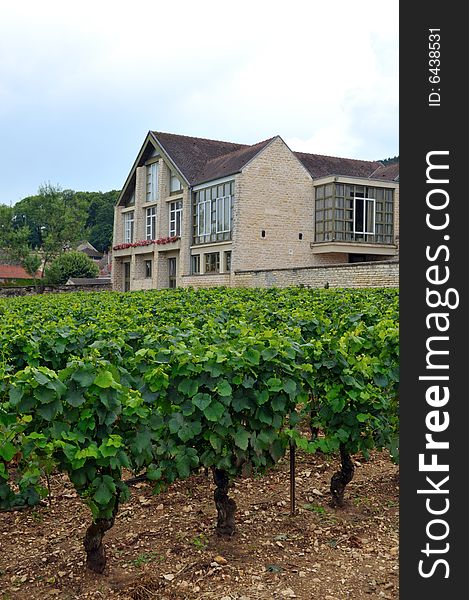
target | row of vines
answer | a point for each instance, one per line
(163, 383)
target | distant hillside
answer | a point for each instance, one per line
(389, 161)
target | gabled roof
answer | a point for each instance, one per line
(388, 172)
(230, 163)
(200, 160)
(191, 154)
(88, 249)
(322, 166)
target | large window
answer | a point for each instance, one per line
(129, 227)
(213, 213)
(152, 182)
(175, 217)
(354, 213)
(151, 223)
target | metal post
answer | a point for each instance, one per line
(292, 478)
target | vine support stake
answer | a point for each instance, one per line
(292, 477)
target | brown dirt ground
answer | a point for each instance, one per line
(164, 547)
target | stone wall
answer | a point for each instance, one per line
(30, 290)
(353, 275)
(209, 280)
(273, 212)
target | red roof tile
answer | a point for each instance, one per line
(13, 272)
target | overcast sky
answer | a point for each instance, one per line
(81, 83)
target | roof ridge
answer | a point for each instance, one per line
(336, 157)
(380, 166)
(193, 137)
(244, 147)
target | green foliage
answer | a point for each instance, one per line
(168, 381)
(200, 541)
(38, 228)
(56, 219)
(71, 264)
(99, 224)
(388, 161)
(14, 236)
(145, 558)
(31, 263)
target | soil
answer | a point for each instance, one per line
(165, 547)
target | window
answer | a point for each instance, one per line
(126, 277)
(175, 216)
(148, 269)
(130, 200)
(174, 184)
(152, 182)
(354, 213)
(228, 261)
(151, 223)
(204, 217)
(363, 215)
(212, 262)
(213, 213)
(172, 272)
(129, 227)
(223, 214)
(195, 264)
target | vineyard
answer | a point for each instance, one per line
(111, 390)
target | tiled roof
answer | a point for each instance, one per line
(191, 154)
(91, 253)
(230, 163)
(201, 160)
(388, 172)
(13, 272)
(322, 166)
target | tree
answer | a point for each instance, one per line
(39, 228)
(56, 219)
(71, 264)
(14, 242)
(100, 219)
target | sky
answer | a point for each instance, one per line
(82, 83)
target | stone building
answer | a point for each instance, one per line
(198, 212)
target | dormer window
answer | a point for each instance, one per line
(152, 182)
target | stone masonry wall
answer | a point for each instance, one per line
(205, 281)
(31, 290)
(354, 275)
(274, 196)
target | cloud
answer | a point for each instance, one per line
(84, 82)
